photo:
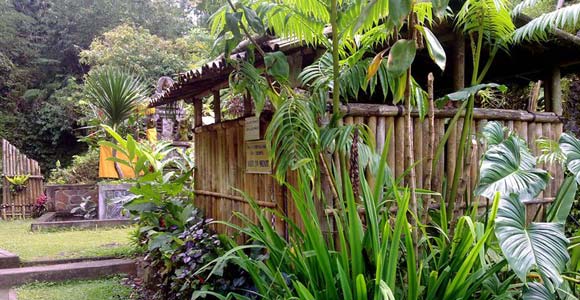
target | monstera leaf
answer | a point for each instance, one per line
(539, 247)
(494, 133)
(571, 148)
(509, 167)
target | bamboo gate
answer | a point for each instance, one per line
(221, 152)
(19, 204)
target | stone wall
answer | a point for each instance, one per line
(64, 197)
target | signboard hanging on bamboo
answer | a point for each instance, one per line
(257, 158)
(252, 129)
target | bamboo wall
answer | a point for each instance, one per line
(220, 156)
(19, 204)
(220, 170)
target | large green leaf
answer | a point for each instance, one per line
(465, 93)
(527, 247)
(494, 133)
(571, 148)
(277, 64)
(439, 7)
(399, 10)
(253, 20)
(401, 57)
(537, 291)
(436, 51)
(509, 167)
(560, 208)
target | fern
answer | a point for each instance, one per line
(539, 28)
(491, 17)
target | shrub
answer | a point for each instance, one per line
(39, 207)
(83, 169)
(176, 238)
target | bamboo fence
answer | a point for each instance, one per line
(19, 204)
(220, 157)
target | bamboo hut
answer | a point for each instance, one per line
(230, 154)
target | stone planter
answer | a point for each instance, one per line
(107, 194)
(64, 197)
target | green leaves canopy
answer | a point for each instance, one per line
(528, 247)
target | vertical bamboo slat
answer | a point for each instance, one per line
(221, 156)
(14, 163)
(399, 143)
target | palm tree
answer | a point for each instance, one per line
(115, 95)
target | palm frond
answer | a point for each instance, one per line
(518, 9)
(294, 139)
(115, 94)
(539, 29)
(304, 20)
(491, 17)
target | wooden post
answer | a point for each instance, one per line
(217, 110)
(555, 91)
(459, 62)
(197, 106)
(247, 105)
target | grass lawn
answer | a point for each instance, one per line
(104, 289)
(16, 237)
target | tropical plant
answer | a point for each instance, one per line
(87, 209)
(509, 168)
(175, 236)
(542, 27)
(39, 207)
(115, 96)
(17, 182)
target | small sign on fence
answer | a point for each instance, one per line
(252, 129)
(257, 160)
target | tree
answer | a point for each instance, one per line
(149, 56)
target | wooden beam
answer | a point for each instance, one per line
(197, 107)
(217, 109)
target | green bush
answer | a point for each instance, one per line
(83, 169)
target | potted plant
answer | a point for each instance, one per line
(17, 182)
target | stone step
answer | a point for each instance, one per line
(6, 294)
(80, 270)
(8, 260)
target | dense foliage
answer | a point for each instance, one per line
(40, 68)
(176, 238)
(149, 56)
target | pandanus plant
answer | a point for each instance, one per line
(115, 95)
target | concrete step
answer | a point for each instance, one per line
(80, 270)
(8, 260)
(6, 294)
